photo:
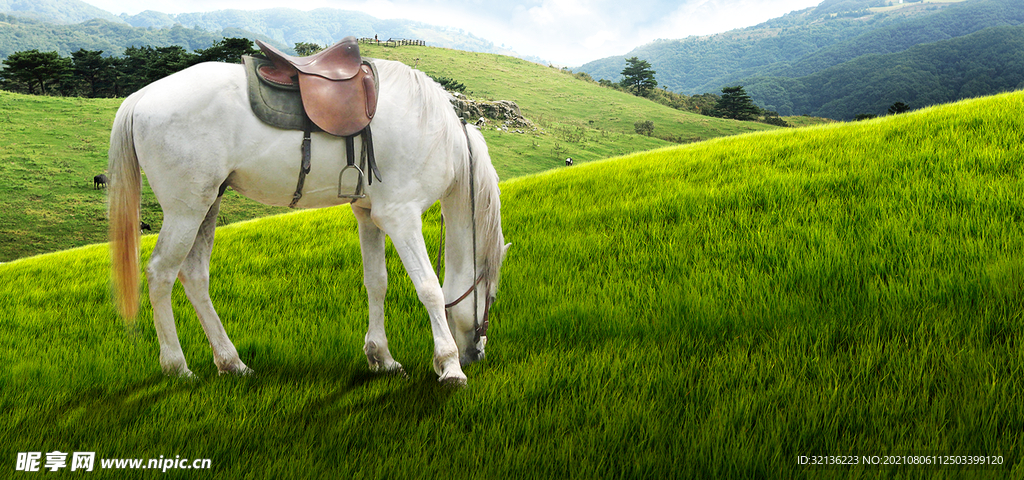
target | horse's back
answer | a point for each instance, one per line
(196, 130)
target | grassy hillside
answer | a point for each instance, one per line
(709, 311)
(50, 148)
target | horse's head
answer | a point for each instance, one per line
(469, 327)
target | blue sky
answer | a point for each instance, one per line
(566, 32)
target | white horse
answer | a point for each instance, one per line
(194, 134)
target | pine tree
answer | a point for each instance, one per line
(228, 50)
(639, 77)
(304, 49)
(898, 107)
(35, 69)
(735, 103)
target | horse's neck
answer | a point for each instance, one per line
(458, 251)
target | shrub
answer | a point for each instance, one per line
(450, 84)
(644, 127)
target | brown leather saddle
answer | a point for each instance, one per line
(338, 90)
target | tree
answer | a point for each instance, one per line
(170, 60)
(228, 50)
(94, 72)
(33, 69)
(898, 107)
(736, 104)
(304, 49)
(144, 65)
(449, 84)
(639, 78)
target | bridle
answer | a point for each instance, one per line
(479, 327)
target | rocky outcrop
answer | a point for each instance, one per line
(504, 112)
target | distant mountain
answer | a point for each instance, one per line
(703, 64)
(323, 26)
(60, 21)
(982, 63)
(20, 34)
(56, 11)
(792, 64)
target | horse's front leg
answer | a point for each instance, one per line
(405, 227)
(375, 278)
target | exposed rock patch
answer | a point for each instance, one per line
(505, 113)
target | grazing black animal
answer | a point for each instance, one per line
(98, 181)
(145, 226)
(568, 162)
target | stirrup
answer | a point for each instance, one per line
(359, 183)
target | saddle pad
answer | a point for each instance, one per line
(276, 105)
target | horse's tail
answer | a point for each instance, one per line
(125, 192)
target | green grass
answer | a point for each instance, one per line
(707, 311)
(50, 148)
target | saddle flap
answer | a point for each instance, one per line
(340, 108)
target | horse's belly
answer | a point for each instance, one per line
(273, 179)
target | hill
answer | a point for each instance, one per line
(50, 148)
(802, 44)
(714, 310)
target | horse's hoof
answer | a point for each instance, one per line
(180, 371)
(240, 370)
(186, 375)
(396, 371)
(389, 368)
(453, 381)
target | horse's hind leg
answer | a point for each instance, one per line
(375, 278)
(195, 278)
(177, 235)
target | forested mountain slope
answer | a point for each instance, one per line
(798, 48)
(971, 66)
(19, 34)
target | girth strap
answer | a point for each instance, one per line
(307, 132)
(350, 158)
(368, 145)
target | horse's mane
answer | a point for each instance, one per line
(436, 115)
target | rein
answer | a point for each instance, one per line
(480, 327)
